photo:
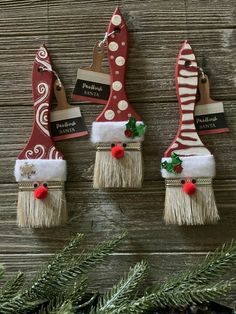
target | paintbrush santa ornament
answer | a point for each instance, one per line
(118, 131)
(188, 166)
(40, 169)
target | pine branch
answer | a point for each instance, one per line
(176, 298)
(53, 267)
(214, 265)
(58, 306)
(11, 287)
(2, 270)
(60, 273)
(124, 290)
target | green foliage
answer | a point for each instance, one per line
(60, 287)
(123, 291)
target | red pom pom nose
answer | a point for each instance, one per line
(189, 188)
(41, 192)
(117, 151)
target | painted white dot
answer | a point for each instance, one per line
(123, 43)
(112, 57)
(120, 61)
(129, 114)
(112, 36)
(113, 46)
(116, 20)
(122, 105)
(117, 85)
(109, 114)
(117, 72)
(118, 111)
(114, 97)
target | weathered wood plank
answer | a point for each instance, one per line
(162, 266)
(151, 62)
(146, 16)
(15, 128)
(99, 214)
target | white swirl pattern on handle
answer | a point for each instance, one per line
(53, 153)
(42, 118)
(42, 54)
(37, 152)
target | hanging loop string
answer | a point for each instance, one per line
(54, 72)
(102, 42)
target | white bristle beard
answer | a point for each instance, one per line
(126, 172)
(38, 213)
(197, 209)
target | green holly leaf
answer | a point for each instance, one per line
(131, 125)
(141, 129)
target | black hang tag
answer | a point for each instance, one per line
(92, 86)
(67, 123)
(210, 118)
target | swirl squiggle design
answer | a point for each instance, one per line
(43, 54)
(37, 152)
(42, 118)
(53, 153)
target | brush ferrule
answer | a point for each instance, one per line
(29, 186)
(179, 182)
(127, 147)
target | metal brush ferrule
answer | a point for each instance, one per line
(181, 181)
(127, 146)
(29, 186)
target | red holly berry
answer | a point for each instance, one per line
(117, 151)
(178, 168)
(128, 133)
(41, 192)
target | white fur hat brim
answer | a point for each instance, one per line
(40, 170)
(193, 166)
(109, 132)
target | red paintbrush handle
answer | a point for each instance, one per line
(187, 141)
(118, 107)
(40, 144)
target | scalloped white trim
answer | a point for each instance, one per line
(193, 166)
(109, 132)
(45, 170)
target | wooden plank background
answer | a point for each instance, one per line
(156, 28)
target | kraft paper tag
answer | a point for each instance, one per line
(209, 114)
(93, 84)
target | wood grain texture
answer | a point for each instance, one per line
(156, 28)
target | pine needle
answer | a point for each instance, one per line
(11, 287)
(214, 265)
(176, 298)
(123, 291)
(2, 270)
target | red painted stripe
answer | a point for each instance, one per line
(188, 122)
(187, 138)
(187, 102)
(186, 52)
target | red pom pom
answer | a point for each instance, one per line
(189, 188)
(41, 192)
(117, 151)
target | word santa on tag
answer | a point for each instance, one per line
(92, 83)
(66, 120)
(209, 114)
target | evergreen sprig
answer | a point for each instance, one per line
(62, 271)
(214, 265)
(60, 287)
(123, 291)
(176, 298)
